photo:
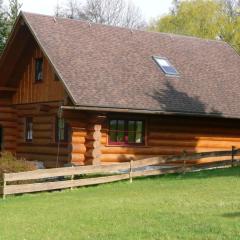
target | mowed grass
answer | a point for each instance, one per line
(202, 205)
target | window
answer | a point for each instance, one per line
(126, 132)
(38, 69)
(61, 130)
(165, 65)
(28, 129)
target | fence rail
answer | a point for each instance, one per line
(114, 172)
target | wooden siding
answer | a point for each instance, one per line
(46, 91)
(43, 147)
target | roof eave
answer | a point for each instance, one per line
(146, 111)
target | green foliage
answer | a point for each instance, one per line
(194, 206)
(7, 18)
(10, 164)
(211, 19)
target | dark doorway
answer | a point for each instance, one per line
(1, 139)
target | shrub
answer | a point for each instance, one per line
(11, 164)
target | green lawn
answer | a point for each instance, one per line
(203, 205)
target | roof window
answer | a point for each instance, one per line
(166, 66)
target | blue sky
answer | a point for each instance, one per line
(150, 8)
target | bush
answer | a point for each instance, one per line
(11, 164)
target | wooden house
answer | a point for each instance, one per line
(77, 92)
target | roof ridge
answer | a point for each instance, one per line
(125, 28)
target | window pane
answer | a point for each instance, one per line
(120, 137)
(131, 131)
(113, 136)
(121, 133)
(139, 126)
(39, 69)
(113, 125)
(61, 130)
(165, 65)
(126, 131)
(113, 132)
(131, 126)
(139, 137)
(28, 129)
(120, 125)
(139, 132)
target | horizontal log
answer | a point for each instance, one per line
(7, 115)
(93, 144)
(94, 127)
(96, 136)
(52, 150)
(7, 110)
(114, 158)
(10, 132)
(43, 127)
(78, 148)
(38, 141)
(195, 143)
(77, 157)
(8, 138)
(43, 157)
(194, 129)
(43, 119)
(79, 134)
(78, 140)
(9, 145)
(45, 134)
(192, 136)
(94, 153)
(165, 150)
(8, 124)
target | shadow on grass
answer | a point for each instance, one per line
(224, 172)
(232, 215)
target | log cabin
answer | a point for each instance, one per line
(74, 92)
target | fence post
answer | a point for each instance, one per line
(184, 161)
(233, 148)
(130, 172)
(72, 178)
(4, 186)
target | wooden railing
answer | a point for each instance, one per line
(70, 177)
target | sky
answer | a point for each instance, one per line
(150, 8)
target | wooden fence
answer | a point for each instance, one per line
(71, 177)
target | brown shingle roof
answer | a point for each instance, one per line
(104, 66)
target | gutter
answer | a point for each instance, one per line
(143, 111)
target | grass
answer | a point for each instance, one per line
(202, 205)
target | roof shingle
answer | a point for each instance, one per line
(112, 67)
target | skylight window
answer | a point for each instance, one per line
(165, 65)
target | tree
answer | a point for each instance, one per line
(14, 9)
(211, 19)
(7, 19)
(112, 12)
(3, 27)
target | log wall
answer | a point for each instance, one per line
(164, 136)
(173, 135)
(43, 147)
(88, 138)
